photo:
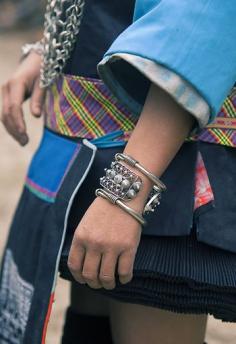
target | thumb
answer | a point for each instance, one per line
(37, 99)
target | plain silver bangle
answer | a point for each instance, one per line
(113, 199)
(134, 163)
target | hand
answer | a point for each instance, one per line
(23, 83)
(107, 237)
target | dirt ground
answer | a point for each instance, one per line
(14, 162)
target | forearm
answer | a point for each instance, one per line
(160, 131)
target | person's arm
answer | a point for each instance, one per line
(107, 236)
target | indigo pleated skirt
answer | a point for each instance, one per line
(181, 273)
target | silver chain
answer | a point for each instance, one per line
(61, 27)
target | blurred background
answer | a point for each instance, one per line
(21, 21)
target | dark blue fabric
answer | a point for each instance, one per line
(29, 264)
(217, 226)
(102, 22)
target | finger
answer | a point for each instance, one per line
(37, 99)
(107, 270)
(91, 268)
(16, 116)
(21, 138)
(75, 262)
(5, 102)
(125, 266)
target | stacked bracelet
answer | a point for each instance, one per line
(122, 184)
(134, 163)
(115, 200)
(158, 187)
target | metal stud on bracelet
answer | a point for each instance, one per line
(121, 181)
(158, 187)
(135, 163)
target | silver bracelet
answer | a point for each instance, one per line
(115, 200)
(37, 47)
(158, 187)
(121, 181)
(134, 163)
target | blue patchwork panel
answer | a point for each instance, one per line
(50, 164)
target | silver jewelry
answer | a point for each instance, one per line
(61, 26)
(115, 200)
(134, 163)
(28, 47)
(153, 201)
(158, 187)
(121, 181)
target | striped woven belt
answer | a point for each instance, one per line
(84, 107)
(223, 130)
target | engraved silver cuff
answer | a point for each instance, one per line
(121, 181)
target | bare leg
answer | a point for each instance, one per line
(137, 324)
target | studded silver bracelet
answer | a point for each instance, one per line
(158, 187)
(121, 181)
(124, 184)
(135, 163)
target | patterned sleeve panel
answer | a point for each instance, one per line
(181, 90)
(193, 39)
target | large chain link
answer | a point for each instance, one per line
(61, 26)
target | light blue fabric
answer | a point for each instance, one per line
(194, 38)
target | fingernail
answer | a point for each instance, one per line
(23, 140)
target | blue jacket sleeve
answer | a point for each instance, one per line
(194, 39)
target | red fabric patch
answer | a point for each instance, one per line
(203, 190)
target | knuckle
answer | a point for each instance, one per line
(13, 80)
(96, 245)
(71, 265)
(14, 105)
(79, 237)
(89, 276)
(106, 278)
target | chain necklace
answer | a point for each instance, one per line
(61, 27)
